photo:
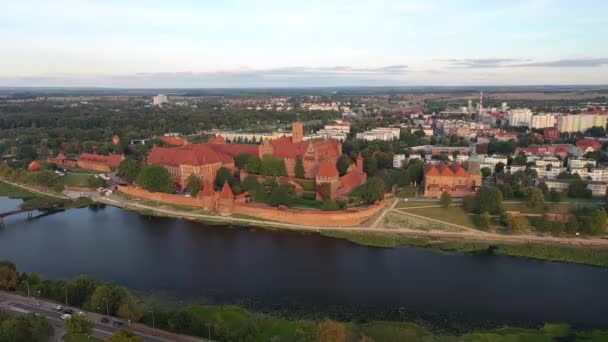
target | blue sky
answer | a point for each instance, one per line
(187, 43)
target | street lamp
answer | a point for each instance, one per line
(27, 282)
(153, 325)
(66, 295)
(107, 306)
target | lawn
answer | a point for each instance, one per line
(76, 179)
(11, 191)
(410, 204)
(80, 338)
(453, 214)
(402, 220)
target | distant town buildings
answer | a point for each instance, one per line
(581, 122)
(520, 117)
(380, 133)
(159, 100)
(539, 121)
(338, 131)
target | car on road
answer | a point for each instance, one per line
(58, 308)
(117, 323)
(66, 316)
(105, 320)
(36, 303)
(68, 311)
(81, 313)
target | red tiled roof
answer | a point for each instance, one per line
(226, 192)
(350, 180)
(328, 169)
(195, 154)
(109, 160)
(431, 170)
(286, 148)
(584, 144)
(444, 170)
(217, 140)
(34, 166)
(234, 149)
(174, 141)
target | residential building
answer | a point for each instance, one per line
(515, 168)
(159, 100)
(598, 189)
(581, 122)
(549, 160)
(551, 133)
(453, 178)
(560, 150)
(545, 172)
(380, 133)
(520, 117)
(542, 121)
(99, 162)
(398, 160)
(587, 145)
(578, 163)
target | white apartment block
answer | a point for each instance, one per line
(542, 172)
(515, 168)
(380, 133)
(159, 100)
(520, 117)
(553, 161)
(579, 163)
(398, 160)
(461, 158)
(580, 122)
(595, 174)
(414, 156)
(542, 121)
(494, 159)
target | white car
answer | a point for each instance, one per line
(81, 313)
(66, 316)
(58, 308)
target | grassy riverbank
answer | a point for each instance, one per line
(595, 256)
(7, 190)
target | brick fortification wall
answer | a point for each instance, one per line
(348, 218)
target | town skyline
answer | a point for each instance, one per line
(239, 44)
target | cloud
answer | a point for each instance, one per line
(525, 63)
(243, 77)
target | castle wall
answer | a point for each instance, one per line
(347, 218)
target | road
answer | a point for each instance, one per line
(18, 305)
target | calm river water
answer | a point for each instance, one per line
(189, 260)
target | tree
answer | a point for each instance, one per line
(499, 168)
(485, 172)
(329, 205)
(404, 178)
(155, 178)
(79, 325)
(58, 187)
(223, 175)
(578, 188)
(95, 182)
(535, 198)
(194, 185)
(597, 222)
(331, 331)
(8, 275)
(370, 165)
(253, 165)
(374, 190)
(342, 164)
(124, 335)
(490, 200)
(241, 159)
(106, 298)
(80, 289)
(299, 168)
(485, 219)
(26, 328)
(516, 223)
(128, 169)
(273, 166)
(555, 196)
(130, 310)
(445, 200)
(279, 195)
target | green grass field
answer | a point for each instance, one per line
(551, 207)
(453, 214)
(76, 179)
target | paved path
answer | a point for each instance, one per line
(472, 230)
(383, 213)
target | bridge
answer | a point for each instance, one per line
(13, 212)
(49, 205)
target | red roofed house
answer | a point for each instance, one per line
(560, 150)
(453, 178)
(34, 166)
(99, 162)
(173, 141)
(551, 133)
(62, 160)
(589, 145)
(506, 136)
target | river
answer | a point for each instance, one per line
(218, 264)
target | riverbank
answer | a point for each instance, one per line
(583, 251)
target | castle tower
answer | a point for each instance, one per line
(115, 139)
(327, 181)
(225, 203)
(360, 163)
(297, 132)
(207, 196)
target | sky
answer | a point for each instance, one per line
(283, 43)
